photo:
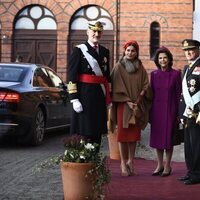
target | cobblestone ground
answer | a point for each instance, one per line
(18, 182)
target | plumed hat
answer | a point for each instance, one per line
(96, 25)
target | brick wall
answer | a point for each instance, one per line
(134, 19)
(174, 17)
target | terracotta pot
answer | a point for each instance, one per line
(113, 146)
(76, 185)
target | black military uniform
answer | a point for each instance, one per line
(189, 109)
(92, 121)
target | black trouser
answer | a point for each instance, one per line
(192, 149)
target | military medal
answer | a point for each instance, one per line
(192, 83)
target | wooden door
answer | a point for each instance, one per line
(25, 49)
(45, 51)
(35, 47)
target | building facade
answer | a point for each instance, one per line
(41, 31)
(196, 20)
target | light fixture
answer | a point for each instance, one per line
(5, 38)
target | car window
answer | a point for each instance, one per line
(11, 73)
(41, 78)
(55, 79)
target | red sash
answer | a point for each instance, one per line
(86, 78)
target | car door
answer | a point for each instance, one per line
(49, 95)
(63, 103)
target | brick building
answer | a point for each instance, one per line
(45, 31)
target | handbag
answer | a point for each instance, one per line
(178, 134)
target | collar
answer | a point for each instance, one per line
(191, 64)
(92, 44)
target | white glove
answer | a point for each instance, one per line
(198, 119)
(77, 106)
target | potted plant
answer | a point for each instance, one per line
(112, 140)
(84, 170)
(113, 145)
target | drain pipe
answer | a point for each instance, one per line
(117, 29)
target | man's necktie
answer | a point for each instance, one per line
(95, 47)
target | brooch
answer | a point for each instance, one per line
(105, 60)
(192, 83)
(104, 65)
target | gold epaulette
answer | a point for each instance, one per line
(72, 87)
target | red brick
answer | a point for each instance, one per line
(135, 17)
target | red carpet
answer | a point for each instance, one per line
(143, 186)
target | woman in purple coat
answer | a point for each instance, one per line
(166, 88)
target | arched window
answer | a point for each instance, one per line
(154, 38)
(90, 13)
(35, 36)
(37, 18)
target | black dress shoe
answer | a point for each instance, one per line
(164, 174)
(183, 178)
(158, 173)
(191, 182)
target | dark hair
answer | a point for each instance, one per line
(168, 53)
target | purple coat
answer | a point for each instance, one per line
(166, 88)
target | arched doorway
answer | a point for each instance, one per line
(34, 38)
(78, 27)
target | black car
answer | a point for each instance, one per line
(33, 100)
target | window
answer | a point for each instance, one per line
(90, 13)
(11, 74)
(55, 79)
(41, 79)
(37, 18)
(154, 38)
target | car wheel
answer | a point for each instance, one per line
(36, 132)
(38, 128)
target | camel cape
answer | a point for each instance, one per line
(127, 87)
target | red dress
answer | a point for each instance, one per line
(130, 134)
